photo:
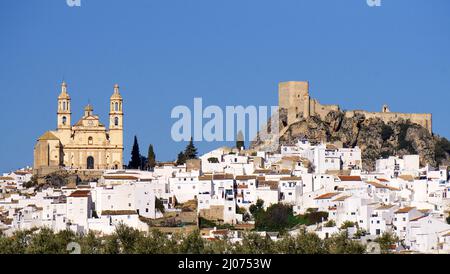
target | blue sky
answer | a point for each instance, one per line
(164, 53)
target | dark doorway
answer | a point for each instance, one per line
(90, 162)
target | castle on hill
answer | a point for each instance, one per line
(85, 145)
(294, 97)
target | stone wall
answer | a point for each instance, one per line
(294, 97)
(423, 119)
(214, 213)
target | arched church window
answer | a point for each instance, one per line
(90, 140)
(64, 120)
(116, 121)
(116, 107)
(90, 162)
(64, 105)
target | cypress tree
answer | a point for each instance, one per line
(135, 162)
(151, 158)
(181, 159)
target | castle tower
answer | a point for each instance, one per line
(116, 127)
(294, 97)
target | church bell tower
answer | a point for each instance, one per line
(116, 126)
(64, 114)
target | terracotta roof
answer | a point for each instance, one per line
(292, 158)
(6, 178)
(80, 193)
(265, 171)
(418, 218)
(408, 178)
(383, 207)
(223, 177)
(205, 178)
(378, 185)
(220, 231)
(285, 171)
(273, 185)
(291, 178)
(405, 210)
(216, 177)
(350, 178)
(342, 198)
(382, 180)
(245, 177)
(327, 196)
(22, 172)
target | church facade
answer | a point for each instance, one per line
(86, 145)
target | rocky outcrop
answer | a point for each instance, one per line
(375, 138)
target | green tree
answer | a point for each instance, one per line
(330, 223)
(135, 162)
(192, 244)
(386, 132)
(252, 243)
(386, 241)
(20, 240)
(151, 158)
(154, 243)
(256, 208)
(347, 224)
(340, 244)
(91, 244)
(181, 159)
(191, 151)
(45, 242)
(275, 218)
(159, 205)
(303, 243)
(128, 238)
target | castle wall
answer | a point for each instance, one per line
(423, 119)
(294, 96)
(320, 110)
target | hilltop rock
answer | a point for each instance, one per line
(376, 138)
